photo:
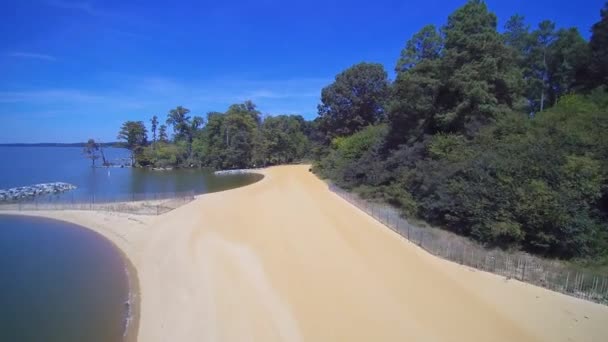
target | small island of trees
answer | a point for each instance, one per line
(238, 138)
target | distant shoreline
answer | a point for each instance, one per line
(109, 144)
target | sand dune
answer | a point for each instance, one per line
(287, 260)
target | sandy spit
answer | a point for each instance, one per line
(285, 259)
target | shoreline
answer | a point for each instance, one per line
(131, 320)
(262, 262)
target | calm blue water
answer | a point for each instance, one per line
(59, 282)
(31, 165)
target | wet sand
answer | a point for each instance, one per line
(285, 259)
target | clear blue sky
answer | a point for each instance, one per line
(74, 69)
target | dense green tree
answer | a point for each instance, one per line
(212, 143)
(482, 81)
(162, 134)
(247, 108)
(229, 140)
(355, 100)
(239, 128)
(135, 138)
(459, 150)
(282, 139)
(542, 39)
(185, 128)
(519, 40)
(180, 121)
(416, 89)
(197, 123)
(238, 138)
(553, 62)
(567, 65)
(355, 160)
(163, 155)
(153, 128)
(424, 46)
(517, 36)
(598, 67)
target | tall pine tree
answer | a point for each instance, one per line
(482, 80)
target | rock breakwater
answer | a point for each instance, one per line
(31, 191)
(235, 172)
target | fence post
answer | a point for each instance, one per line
(464, 252)
(595, 282)
(523, 271)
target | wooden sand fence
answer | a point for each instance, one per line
(550, 274)
(133, 203)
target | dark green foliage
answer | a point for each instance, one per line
(537, 66)
(163, 155)
(135, 136)
(227, 141)
(598, 67)
(481, 81)
(154, 126)
(237, 138)
(356, 99)
(282, 140)
(567, 64)
(534, 184)
(424, 45)
(162, 134)
(180, 121)
(517, 37)
(553, 62)
(416, 90)
(355, 160)
(456, 83)
(461, 151)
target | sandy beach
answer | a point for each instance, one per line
(285, 259)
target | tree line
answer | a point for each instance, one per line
(499, 136)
